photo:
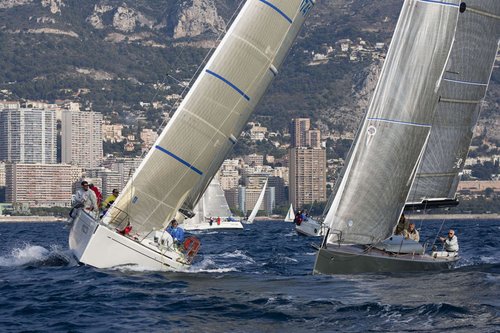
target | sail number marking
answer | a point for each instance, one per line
(306, 6)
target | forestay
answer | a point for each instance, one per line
(462, 91)
(382, 164)
(182, 162)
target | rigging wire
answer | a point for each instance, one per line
(202, 64)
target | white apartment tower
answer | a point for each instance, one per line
(28, 135)
(82, 138)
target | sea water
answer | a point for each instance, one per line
(253, 280)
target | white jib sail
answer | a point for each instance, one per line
(256, 208)
(190, 150)
(290, 215)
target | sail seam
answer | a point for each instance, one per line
(277, 10)
(179, 159)
(229, 83)
(440, 3)
(458, 101)
(467, 82)
(399, 122)
(442, 174)
(194, 115)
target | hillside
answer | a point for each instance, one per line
(111, 55)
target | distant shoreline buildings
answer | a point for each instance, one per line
(46, 149)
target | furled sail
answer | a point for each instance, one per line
(464, 86)
(256, 208)
(190, 150)
(382, 164)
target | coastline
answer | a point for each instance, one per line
(44, 219)
(47, 219)
(453, 216)
(418, 216)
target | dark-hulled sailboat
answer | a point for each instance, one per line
(430, 80)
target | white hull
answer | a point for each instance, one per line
(310, 227)
(97, 245)
(207, 226)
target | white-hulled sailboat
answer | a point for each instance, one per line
(381, 167)
(212, 211)
(175, 173)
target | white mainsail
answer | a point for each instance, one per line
(290, 215)
(190, 150)
(462, 91)
(382, 164)
(256, 208)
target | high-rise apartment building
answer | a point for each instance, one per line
(307, 163)
(82, 138)
(41, 185)
(298, 131)
(307, 176)
(27, 135)
(313, 139)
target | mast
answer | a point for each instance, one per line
(382, 164)
(190, 150)
(462, 91)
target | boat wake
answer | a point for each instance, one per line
(34, 255)
(207, 265)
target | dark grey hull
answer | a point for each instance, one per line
(353, 259)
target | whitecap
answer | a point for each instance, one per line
(209, 266)
(35, 254)
(237, 254)
(22, 256)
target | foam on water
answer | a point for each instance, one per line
(38, 255)
(238, 254)
(207, 265)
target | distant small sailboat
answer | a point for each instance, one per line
(290, 215)
(212, 211)
(256, 208)
(374, 185)
(176, 171)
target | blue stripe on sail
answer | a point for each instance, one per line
(229, 84)
(467, 82)
(179, 159)
(441, 3)
(278, 10)
(399, 122)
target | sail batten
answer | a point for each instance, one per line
(212, 115)
(462, 94)
(396, 127)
